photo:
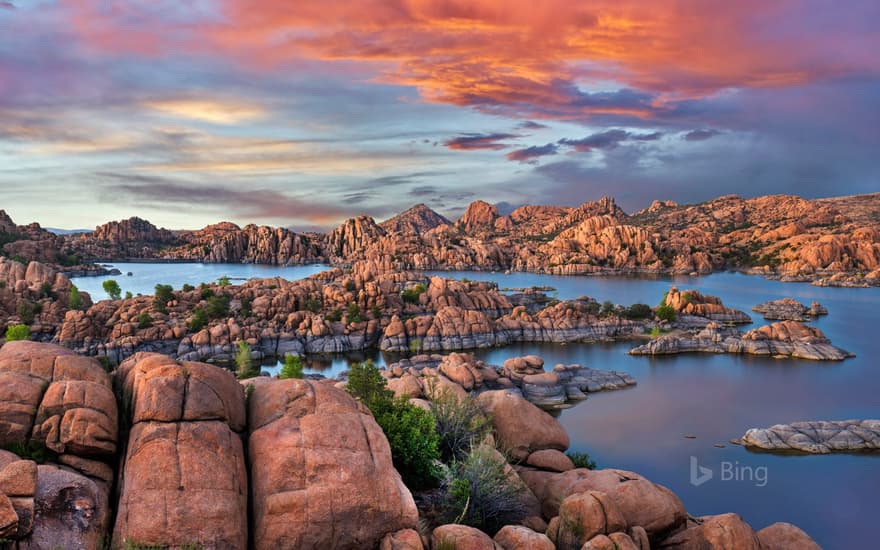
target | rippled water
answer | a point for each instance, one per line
(713, 397)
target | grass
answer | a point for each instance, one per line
(581, 460)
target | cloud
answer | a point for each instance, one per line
(471, 142)
(7, 5)
(530, 154)
(607, 139)
(531, 125)
(254, 203)
(216, 111)
(700, 135)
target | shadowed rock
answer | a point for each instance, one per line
(818, 437)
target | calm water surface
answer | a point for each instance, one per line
(713, 397)
(145, 276)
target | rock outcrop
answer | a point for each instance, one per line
(781, 340)
(696, 309)
(788, 309)
(184, 479)
(58, 406)
(819, 437)
(321, 469)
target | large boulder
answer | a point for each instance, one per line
(462, 537)
(782, 536)
(642, 503)
(321, 470)
(716, 533)
(184, 480)
(518, 537)
(522, 428)
(583, 516)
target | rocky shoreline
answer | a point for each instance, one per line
(786, 339)
(818, 437)
(788, 309)
(195, 449)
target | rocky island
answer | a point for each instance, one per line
(820, 437)
(789, 309)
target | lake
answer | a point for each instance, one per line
(713, 397)
(146, 275)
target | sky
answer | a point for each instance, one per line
(304, 113)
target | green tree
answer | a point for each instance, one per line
(111, 287)
(666, 312)
(17, 332)
(353, 313)
(411, 295)
(26, 311)
(223, 281)
(461, 423)
(128, 295)
(293, 367)
(243, 363)
(198, 320)
(164, 294)
(607, 308)
(144, 320)
(45, 290)
(75, 300)
(218, 306)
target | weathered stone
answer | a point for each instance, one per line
(19, 479)
(518, 537)
(405, 539)
(784, 536)
(550, 459)
(521, 427)
(462, 537)
(582, 516)
(820, 437)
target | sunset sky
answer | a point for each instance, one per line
(302, 113)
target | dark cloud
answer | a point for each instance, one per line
(531, 125)
(7, 5)
(609, 139)
(530, 154)
(700, 135)
(470, 142)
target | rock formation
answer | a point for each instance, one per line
(781, 340)
(820, 437)
(788, 309)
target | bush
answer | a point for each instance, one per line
(17, 332)
(206, 292)
(20, 259)
(245, 309)
(187, 287)
(665, 312)
(293, 367)
(461, 423)
(111, 287)
(45, 290)
(350, 286)
(411, 295)
(244, 366)
(607, 308)
(639, 311)
(655, 332)
(353, 313)
(26, 311)
(376, 312)
(313, 304)
(218, 306)
(223, 281)
(335, 316)
(144, 320)
(75, 300)
(32, 450)
(128, 295)
(199, 320)
(410, 430)
(164, 294)
(478, 491)
(581, 460)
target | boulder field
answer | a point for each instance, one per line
(181, 455)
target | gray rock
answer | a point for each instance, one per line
(818, 437)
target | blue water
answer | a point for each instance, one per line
(713, 397)
(145, 276)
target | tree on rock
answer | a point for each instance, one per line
(75, 301)
(17, 332)
(111, 287)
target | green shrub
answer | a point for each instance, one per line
(199, 320)
(313, 304)
(218, 306)
(111, 287)
(478, 491)
(639, 311)
(411, 295)
(376, 312)
(415, 345)
(293, 367)
(45, 290)
(607, 308)
(75, 300)
(350, 286)
(353, 313)
(17, 332)
(335, 316)
(206, 292)
(461, 424)
(410, 430)
(20, 259)
(581, 460)
(223, 281)
(145, 320)
(244, 366)
(666, 312)
(26, 311)
(106, 363)
(128, 295)
(32, 450)
(245, 309)
(655, 332)
(187, 287)
(163, 295)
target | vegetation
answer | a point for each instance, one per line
(111, 287)
(187, 287)
(145, 320)
(353, 313)
(164, 294)
(245, 309)
(415, 345)
(106, 363)
(410, 430)
(17, 332)
(75, 300)
(638, 311)
(128, 295)
(293, 367)
(313, 304)
(607, 308)
(376, 312)
(478, 491)
(244, 365)
(206, 292)
(350, 286)
(655, 332)
(665, 312)
(45, 290)
(581, 460)
(411, 295)
(223, 281)
(334, 316)
(26, 311)
(461, 423)
(199, 320)
(218, 306)
(32, 450)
